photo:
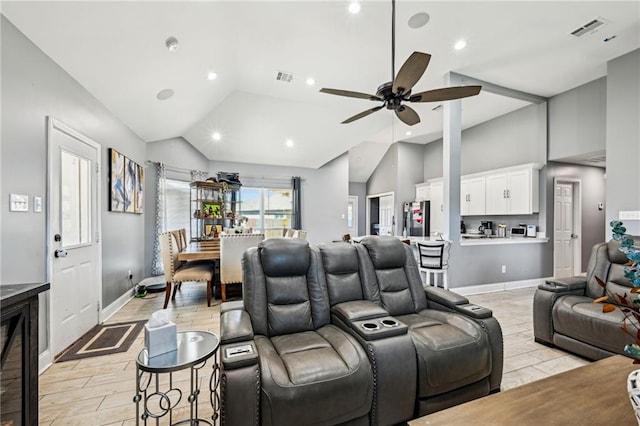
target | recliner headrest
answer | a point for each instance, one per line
(385, 252)
(282, 257)
(339, 258)
(615, 255)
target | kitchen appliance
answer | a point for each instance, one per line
(531, 231)
(518, 231)
(486, 226)
(502, 230)
(416, 218)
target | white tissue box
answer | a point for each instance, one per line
(160, 340)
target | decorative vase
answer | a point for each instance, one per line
(633, 388)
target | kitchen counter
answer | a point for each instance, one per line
(500, 241)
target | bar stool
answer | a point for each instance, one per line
(433, 259)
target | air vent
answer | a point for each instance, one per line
(589, 27)
(287, 77)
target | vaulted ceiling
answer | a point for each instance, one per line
(117, 51)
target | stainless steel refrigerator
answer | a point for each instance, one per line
(416, 218)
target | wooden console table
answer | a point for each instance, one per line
(595, 394)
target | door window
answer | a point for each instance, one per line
(75, 206)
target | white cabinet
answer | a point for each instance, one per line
(513, 191)
(472, 196)
(422, 192)
(436, 194)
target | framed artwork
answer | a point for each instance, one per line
(126, 184)
(116, 185)
(211, 210)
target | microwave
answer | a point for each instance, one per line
(518, 231)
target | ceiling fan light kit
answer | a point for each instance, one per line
(393, 94)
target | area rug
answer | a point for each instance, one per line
(104, 339)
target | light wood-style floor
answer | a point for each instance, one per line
(100, 390)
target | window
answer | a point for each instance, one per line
(177, 202)
(267, 208)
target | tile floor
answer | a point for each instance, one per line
(100, 390)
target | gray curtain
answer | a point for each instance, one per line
(161, 217)
(296, 220)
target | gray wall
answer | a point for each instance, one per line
(384, 178)
(577, 121)
(359, 190)
(592, 181)
(433, 160)
(623, 138)
(34, 87)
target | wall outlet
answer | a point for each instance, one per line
(130, 275)
(504, 269)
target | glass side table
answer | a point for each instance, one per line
(194, 349)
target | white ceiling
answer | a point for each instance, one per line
(116, 50)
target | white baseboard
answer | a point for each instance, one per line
(491, 288)
(114, 307)
(45, 360)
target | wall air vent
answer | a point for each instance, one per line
(588, 28)
(287, 77)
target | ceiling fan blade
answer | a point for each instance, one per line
(410, 72)
(445, 94)
(350, 94)
(407, 115)
(362, 114)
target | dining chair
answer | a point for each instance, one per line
(433, 258)
(176, 272)
(232, 247)
(298, 233)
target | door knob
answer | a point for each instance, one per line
(60, 253)
(574, 236)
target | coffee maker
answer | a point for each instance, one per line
(487, 227)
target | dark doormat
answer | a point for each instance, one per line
(104, 339)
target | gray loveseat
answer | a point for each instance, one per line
(565, 316)
(346, 334)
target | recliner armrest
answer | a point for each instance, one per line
(235, 326)
(358, 310)
(564, 284)
(445, 297)
(238, 355)
(474, 311)
(231, 306)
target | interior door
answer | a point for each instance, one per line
(352, 215)
(563, 233)
(386, 215)
(74, 248)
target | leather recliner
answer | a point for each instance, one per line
(458, 346)
(565, 316)
(283, 362)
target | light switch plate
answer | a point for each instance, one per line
(37, 204)
(18, 203)
(629, 215)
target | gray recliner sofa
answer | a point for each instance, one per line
(565, 316)
(420, 352)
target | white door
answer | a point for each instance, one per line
(386, 215)
(563, 235)
(74, 248)
(352, 215)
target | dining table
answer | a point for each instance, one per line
(201, 250)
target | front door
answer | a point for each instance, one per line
(74, 247)
(563, 234)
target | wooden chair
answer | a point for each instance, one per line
(232, 247)
(177, 272)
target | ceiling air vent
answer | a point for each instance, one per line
(589, 27)
(287, 77)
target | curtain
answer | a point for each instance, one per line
(161, 217)
(296, 220)
(199, 175)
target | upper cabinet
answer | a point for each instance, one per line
(422, 192)
(436, 206)
(472, 195)
(512, 191)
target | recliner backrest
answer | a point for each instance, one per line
(395, 273)
(341, 270)
(607, 262)
(282, 292)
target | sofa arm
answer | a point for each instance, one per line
(564, 284)
(235, 326)
(444, 297)
(231, 306)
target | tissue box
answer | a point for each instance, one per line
(160, 340)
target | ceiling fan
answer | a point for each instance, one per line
(394, 93)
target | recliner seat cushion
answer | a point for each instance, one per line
(313, 377)
(453, 351)
(578, 317)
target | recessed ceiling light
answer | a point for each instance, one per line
(408, 133)
(289, 143)
(172, 44)
(216, 136)
(354, 7)
(460, 44)
(164, 94)
(311, 81)
(212, 75)
(418, 20)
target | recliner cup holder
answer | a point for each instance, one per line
(370, 326)
(389, 323)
